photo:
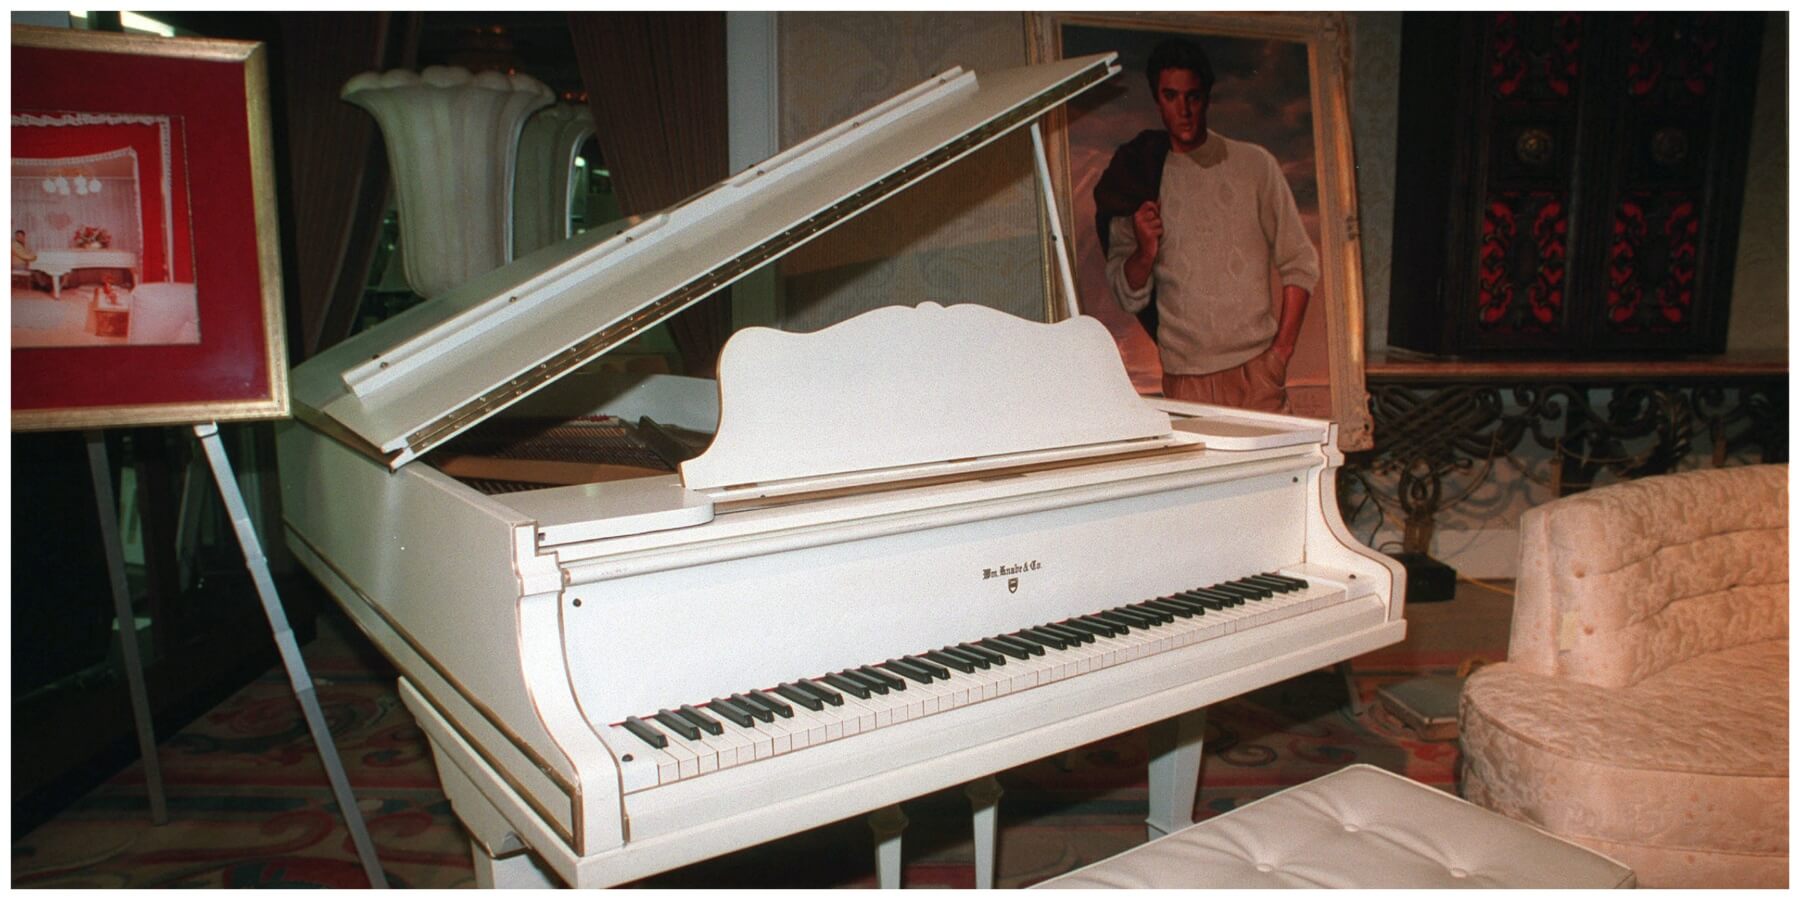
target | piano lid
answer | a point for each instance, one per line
(416, 380)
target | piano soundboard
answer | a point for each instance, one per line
(646, 619)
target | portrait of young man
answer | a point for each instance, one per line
(1196, 202)
(1192, 224)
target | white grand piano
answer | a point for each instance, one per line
(57, 263)
(647, 621)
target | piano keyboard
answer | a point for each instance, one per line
(690, 740)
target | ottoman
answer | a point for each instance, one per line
(1359, 827)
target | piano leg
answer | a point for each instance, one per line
(984, 797)
(1349, 675)
(1175, 746)
(519, 870)
(888, 824)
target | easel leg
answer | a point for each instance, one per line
(258, 565)
(520, 870)
(1175, 746)
(888, 824)
(984, 797)
(127, 622)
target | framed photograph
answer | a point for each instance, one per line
(1216, 207)
(146, 281)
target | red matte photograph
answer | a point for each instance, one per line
(145, 277)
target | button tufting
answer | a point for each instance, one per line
(1459, 873)
(1350, 827)
(1264, 867)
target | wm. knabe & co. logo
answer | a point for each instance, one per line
(1011, 573)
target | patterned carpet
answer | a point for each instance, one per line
(250, 807)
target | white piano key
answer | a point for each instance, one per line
(687, 760)
(993, 681)
(762, 741)
(647, 767)
(814, 726)
(706, 759)
(730, 745)
(863, 714)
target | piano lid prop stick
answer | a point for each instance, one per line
(258, 565)
(1059, 247)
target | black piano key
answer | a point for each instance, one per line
(1232, 597)
(677, 724)
(1294, 584)
(1038, 637)
(1209, 599)
(1093, 629)
(733, 713)
(1264, 581)
(1030, 648)
(802, 697)
(1173, 609)
(1150, 619)
(847, 685)
(775, 706)
(893, 682)
(1069, 639)
(1111, 629)
(993, 657)
(705, 722)
(977, 660)
(1242, 590)
(1123, 622)
(936, 670)
(761, 712)
(1012, 650)
(1068, 634)
(873, 684)
(1192, 606)
(901, 667)
(1255, 583)
(645, 733)
(1136, 618)
(1162, 618)
(879, 682)
(820, 691)
(945, 659)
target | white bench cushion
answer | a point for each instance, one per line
(1359, 827)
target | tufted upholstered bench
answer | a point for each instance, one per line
(1359, 827)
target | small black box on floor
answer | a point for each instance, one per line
(1427, 580)
(1425, 705)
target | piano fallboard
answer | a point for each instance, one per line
(908, 583)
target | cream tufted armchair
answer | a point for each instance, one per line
(1642, 710)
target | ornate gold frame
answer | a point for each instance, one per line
(1328, 52)
(252, 58)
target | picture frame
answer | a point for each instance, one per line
(174, 314)
(1280, 83)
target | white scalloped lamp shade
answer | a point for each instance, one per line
(452, 138)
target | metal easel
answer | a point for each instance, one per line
(127, 624)
(289, 649)
(258, 564)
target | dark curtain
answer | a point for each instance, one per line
(656, 85)
(336, 161)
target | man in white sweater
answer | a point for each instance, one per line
(1194, 222)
